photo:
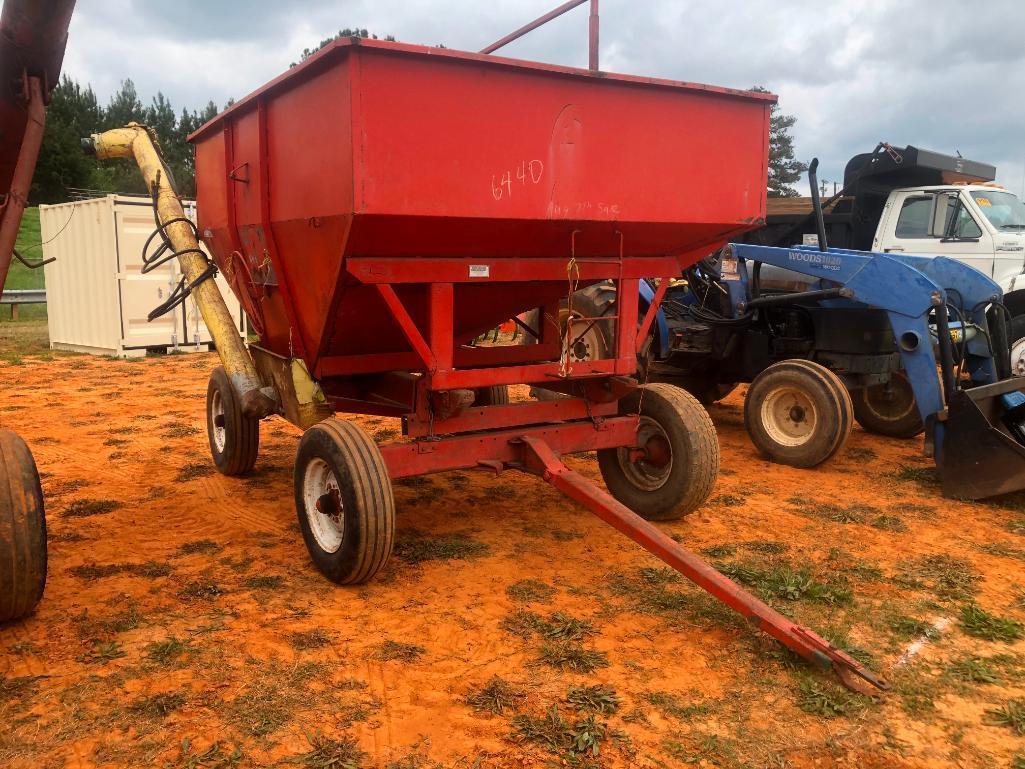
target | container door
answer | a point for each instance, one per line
(140, 293)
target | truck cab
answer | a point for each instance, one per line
(982, 225)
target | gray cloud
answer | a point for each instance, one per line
(943, 74)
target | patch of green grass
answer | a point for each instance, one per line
(947, 577)
(83, 508)
(851, 513)
(263, 582)
(908, 628)
(925, 476)
(169, 651)
(309, 639)
(417, 549)
(158, 705)
(1018, 762)
(727, 500)
(720, 551)
(825, 700)
(93, 571)
(274, 694)
(593, 699)
(214, 757)
(396, 650)
(1011, 715)
(860, 454)
(193, 470)
(179, 431)
(573, 656)
(201, 589)
(788, 583)
(102, 652)
(978, 622)
(530, 591)
(766, 546)
(984, 670)
(326, 753)
(1002, 550)
(495, 697)
(200, 547)
(890, 523)
(553, 732)
(673, 706)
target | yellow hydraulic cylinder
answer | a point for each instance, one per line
(134, 142)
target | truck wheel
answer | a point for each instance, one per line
(1017, 334)
(888, 409)
(22, 530)
(680, 455)
(798, 413)
(234, 438)
(343, 497)
(496, 395)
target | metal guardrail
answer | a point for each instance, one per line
(18, 296)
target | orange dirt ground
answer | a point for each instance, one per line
(184, 626)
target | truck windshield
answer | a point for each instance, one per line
(1003, 209)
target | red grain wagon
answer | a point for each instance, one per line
(381, 205)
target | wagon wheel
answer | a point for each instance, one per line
(22, 530)
(671, 471)
(888, 409)
(343, 497)
(798, 413)
(496, 395)
(234, 437)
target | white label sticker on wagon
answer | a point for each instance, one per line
(480, 271)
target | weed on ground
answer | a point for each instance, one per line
(83, 508)
(495, 697)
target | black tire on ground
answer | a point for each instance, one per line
(496, 395)
(343, 497)
(888, 409)
(1017, 344)
(798, 413)
(683, 461)
(234, 438)
(706, 392)
(22, 530)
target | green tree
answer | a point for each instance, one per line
(73, 112)
(784, 169)
(347, 32)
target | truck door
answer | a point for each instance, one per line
(931, 223)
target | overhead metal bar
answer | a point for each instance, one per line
(592, 57)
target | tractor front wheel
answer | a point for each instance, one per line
(798, 413)
(673, 467)
(22, 530)
(888, 409)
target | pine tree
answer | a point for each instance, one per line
(784, 170)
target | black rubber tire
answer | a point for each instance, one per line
(694, 452)
(888, 409)
(22, 530)
(820, 389)
(1016, 332)
(365, 492)
(496, 395)
(705, 391)
(241, 438)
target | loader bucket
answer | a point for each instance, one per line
(980, 456)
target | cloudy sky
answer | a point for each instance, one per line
(944, 74)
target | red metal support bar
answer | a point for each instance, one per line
(375, 269)
(592, 38)
(649, 316)
(407, 326)
(540, 458)
(17, 196)
(626, 324)
(441, 314)
(539, 21)
(479, 418)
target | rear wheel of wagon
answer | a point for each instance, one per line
(496, 395)
(22, 530)
(798, 413)
(234, 438)
(888, 409)
(343, 497)
(672, 469)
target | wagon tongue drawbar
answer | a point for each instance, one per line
(538, 458)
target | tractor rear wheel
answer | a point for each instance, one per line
(798, 413)
(673, 468)
(234, 438)
(343, 497)
(22, 529)
(888, 409)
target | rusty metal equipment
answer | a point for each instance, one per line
(381, 205)
(33, 34)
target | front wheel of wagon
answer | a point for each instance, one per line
(22, 530)
(234, 438)
(343, 497)
(672, 469)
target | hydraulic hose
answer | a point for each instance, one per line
(135, 142)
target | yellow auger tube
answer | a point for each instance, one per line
(134, 142)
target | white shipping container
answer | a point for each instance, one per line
(97, 297)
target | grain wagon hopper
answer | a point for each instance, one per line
(33, 35)
(381, 205)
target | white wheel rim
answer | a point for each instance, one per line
(216, 417)
(643, 473)
(789, 416)
(1018, 357)
(584, 346)
(319, 480)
